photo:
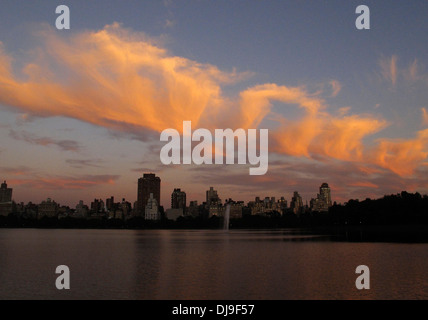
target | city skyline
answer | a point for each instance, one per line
(403, 207)
(176, 200)
(321, 202)
(147, 204)
(81, 110)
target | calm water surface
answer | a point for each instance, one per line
(205, 264)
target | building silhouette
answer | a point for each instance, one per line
(178, 205)
(48, 208)
(213, 203)
(5, 193)
(110, 204)
(178, 199)
(5, 199)
(212, 197)
(82, 210)
(193, 209)
(236, 208)
(148, 184)
(97, 206)
(266, 206)
(323, 200)
(151, 211)
(325, 192)
(296, 204)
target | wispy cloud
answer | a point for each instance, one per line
(130, 84)
(424, 116)
(65, 145)
(402, 156)
(320, 134)
(118, 79)
(413, 72)
(335, 87)
(82, 163)
(389, 69)
(170, 21)
(364, 184)
(64, 182)
(142, 170)
(16, 171)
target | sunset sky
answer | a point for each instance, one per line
(81, 110)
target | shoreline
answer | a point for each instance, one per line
(405, 233)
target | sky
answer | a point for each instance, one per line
(81, 110)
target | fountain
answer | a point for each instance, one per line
(226, 217)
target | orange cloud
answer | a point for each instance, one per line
(112, 78)
(255, 102)
(316, 132)
(401, 156)
(389, 69)
(320, 133)
(412, 73)
(335, 87)
(424, 116)
(364, 184)
(125, 81)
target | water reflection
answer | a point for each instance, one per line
(206, 264)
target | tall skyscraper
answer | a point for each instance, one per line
(110, 203)
(5, 199)
(148, 184)
(326, 194)
(5, 193)
(296, 203)
(323, 200)
(212, 197)
(178, 199)
(151, 211)
(282, 204)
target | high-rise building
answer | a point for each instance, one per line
(282, 204)
(178, 205)
(213, 203)
(265, 207)
(178, 199)
(151, 211)
(148, 184)
(212, 197)
(5, 199)
(97, 206)
(325, 192)
(323, 200)
(81, 210)
(110, 203)
(235, 209)
(296, 204)
(5, 193)
(48, 208)
(193, 209)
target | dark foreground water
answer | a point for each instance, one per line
(205, 264)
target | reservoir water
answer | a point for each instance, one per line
(205, 265)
